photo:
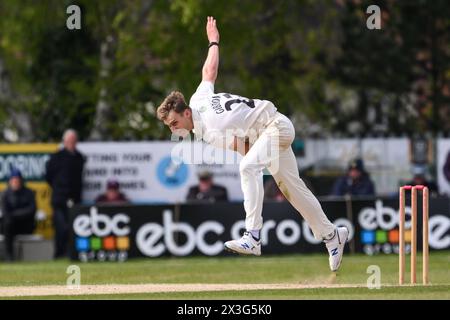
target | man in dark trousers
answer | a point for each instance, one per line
(18, 208)
(64, 175)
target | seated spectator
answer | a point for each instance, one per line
(206, 190)
(419, 178)
(356, 182)
(18, 208)
(112, 194)
(272, 191)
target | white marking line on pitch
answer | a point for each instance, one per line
(22, 291)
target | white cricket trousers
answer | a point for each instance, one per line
(272, 150)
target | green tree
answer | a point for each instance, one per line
(400, 72)
(50, 69)
(316, 60)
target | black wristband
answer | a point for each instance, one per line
(213, 44)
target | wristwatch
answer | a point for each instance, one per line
(214, 43)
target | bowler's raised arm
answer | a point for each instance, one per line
(211, 66)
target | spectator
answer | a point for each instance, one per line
(206, 190)
(272, 191)
(18, 208)
(64, 175)
(356, 182)
(112, 194)
(419, 178)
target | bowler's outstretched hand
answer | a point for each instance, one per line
(211, 30)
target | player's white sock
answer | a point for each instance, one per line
(255, 234)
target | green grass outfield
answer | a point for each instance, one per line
(293, 269)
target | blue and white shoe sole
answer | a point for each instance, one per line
(237, 252)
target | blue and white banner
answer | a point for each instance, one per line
(152, 172)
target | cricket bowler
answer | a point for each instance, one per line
(254, 128)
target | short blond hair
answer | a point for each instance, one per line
(174, 101)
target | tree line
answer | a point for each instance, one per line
(315, 59)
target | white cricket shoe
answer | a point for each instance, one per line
(245, 245)
(336, 246)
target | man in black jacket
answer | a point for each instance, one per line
(18, 208)
(64, 174)
(356, 182)
(206, 190)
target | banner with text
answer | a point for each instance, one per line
(155, 172)
(117, 233)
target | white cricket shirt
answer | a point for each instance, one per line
(216, 116)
